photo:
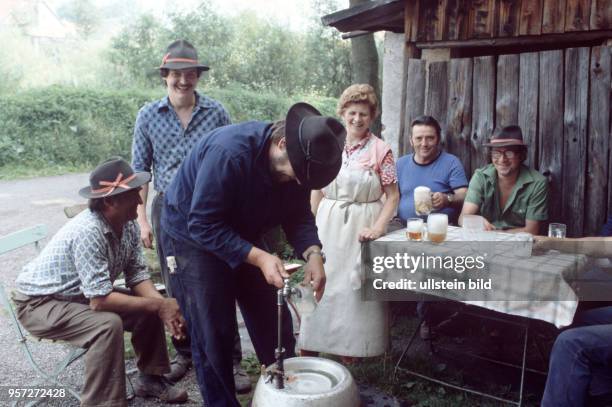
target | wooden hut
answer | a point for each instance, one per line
(477, 65)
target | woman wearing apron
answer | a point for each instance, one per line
(349, 211)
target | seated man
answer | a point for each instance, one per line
(510, 196)
(581, 358)
(67, 292)
(431, 167)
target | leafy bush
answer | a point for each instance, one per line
(81, 127)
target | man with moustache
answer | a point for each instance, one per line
(67, 292)
(164, 133)
(509, 195)
(235, 185)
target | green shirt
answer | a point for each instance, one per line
(528, 200)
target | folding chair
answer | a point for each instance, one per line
(14, 241)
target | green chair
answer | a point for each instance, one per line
(11, 242)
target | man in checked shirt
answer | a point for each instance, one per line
(164, 133)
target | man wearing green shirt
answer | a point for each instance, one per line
(509, 195)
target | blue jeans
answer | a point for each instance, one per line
(581, 360)
(207, 289)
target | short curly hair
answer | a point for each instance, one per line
(359, 93)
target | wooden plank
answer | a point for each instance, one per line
(599, 140)
(483, 113)
(411, 20)
(415, 98)
(550, 126)
(436, 94)
(522, 41)
(575, 127)
(601, 15)
(553, 18)
(507, 95)
(427, 20)
(459, 111)
(531, 17)
(509, 14)
(528, 101)
(578, 15)
(482, 22)
(457, 19)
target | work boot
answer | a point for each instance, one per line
(241, 379)
(178, 368)
(158, 387)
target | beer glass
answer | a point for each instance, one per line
(472, 227)
(422, 201)
(414, 229)
(437, 226)
(557, 230)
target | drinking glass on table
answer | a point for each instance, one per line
(472, 227)
(414, 229)
(437, 226)
(557, 230)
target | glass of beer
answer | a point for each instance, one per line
(422, 201)
(414, 229)
(557, 230)
(437, 226)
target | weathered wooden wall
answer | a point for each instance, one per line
(561, 100)
(440, 20)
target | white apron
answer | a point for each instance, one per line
(343, 324)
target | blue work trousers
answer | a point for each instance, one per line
(207, 290)
(581, 361)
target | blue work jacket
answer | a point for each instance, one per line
(223, 198)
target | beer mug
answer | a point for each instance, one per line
(422, 201)
(414, 229)
(437, 226)
(557, 230)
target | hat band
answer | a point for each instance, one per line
(506, 140)
(112, 185)
(167, 59)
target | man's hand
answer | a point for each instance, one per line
(314, 274)
(273, 269)
(146, 233)
(488, 226)
(170, 314)
(439, 200)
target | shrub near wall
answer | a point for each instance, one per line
(76, 127)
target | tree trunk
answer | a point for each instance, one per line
(364, 61)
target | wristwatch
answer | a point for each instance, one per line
(317, 252)
(450, 197)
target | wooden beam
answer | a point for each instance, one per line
(415, 98)
(548, 39)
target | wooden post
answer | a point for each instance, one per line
(575, 127)
(415, 98)
(599, 140)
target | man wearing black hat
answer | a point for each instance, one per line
(235, 184)
(164, 133)
(67, 292)
(508, 194)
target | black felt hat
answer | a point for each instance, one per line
(181, 55)
(113, 177)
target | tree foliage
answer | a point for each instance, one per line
(245, 50)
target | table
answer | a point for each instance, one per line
(525, 285)
(529, 286)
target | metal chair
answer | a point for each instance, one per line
(14, 241)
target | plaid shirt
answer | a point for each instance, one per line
(161, 143)
(83, 259)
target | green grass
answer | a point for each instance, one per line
(14, 172)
